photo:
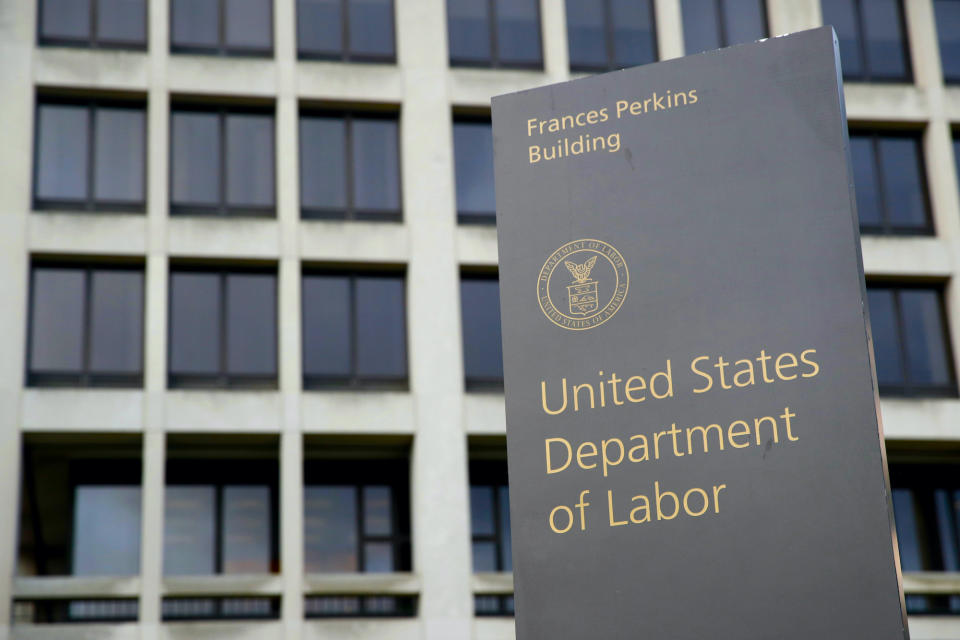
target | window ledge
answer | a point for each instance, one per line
(223, 584)
(493, 583)
(931, 582)
(362, 583)
(55, 587)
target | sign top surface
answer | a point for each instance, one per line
(692, 422)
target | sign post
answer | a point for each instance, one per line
(694, 440)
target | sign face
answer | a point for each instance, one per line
(692, 419)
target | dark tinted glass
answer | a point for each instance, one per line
(122, 21)
(701, 25)
(320, 26)
(250, 154)
(189, 543)
(195, 161)
(743, 21)
(194, 323)
(634, 41)
(326, 326)
(886, 336)
(378, 557)
(865, 181)
(116, 321)
(119, 155)
(925, 335)
(330, 529)
(65, 19)
(251, 324)
(62, 152)
(482, 513)
(908, 530)
(249, 24)
(377, 506)
(473, 158)
(376, 171)
(57, 320)
(710, 24)
(323, 178)
(900, 163)
(518, 31)
(468, 30)
(480, 310)
(106, 530)
(246, 529)
(872, 38)
(947, 13)
(371, 27)
(845, 18)
(195, 23)
(587, 34)
(381, 330)
(506, 546)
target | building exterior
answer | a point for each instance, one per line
(250, 383)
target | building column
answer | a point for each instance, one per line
(669, 23)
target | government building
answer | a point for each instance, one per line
(250, 367)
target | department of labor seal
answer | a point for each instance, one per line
(582, 284)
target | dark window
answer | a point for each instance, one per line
(349, 167)
(354, 330)
(890, 183)
(910, 341)
(220, 517)
(352, 30)
(356, 516)
(86, 326)
(610, 34)
(226, 27)
(480, 313)
(115, 24)
(873, 40)
(90, 155)
(490, 516)
(352, 606)
(473, 160)
(493, 605)
(221, 162)
(947, 14)
(712, 24)
(926, 503)
(494, 33)
(223, 328)
(220, 608)
(108, 610)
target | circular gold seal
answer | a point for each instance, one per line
(583, 284)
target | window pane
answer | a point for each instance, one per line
(481, 511)
(196, 23)
(865, 181)
(196, 158)
(119, 155)
(926, 344)
(323, 149)
(377, 505)
(62, 152)
(484, 556)
(189, 547)
(122, 20)
(250, 160)
(948, 32)
(56, 321)
(506, 548)
(65, 19)
(633, 32)
(886, 338)
(473, 157)
(326, 326)
(468, 30)
(330, 524)
(518, 31)
(246, 529)
(319, 26)
(252, 324)
(744, 20)
(701, 25)
(116, 322)
(371, 27)
(249, 23)
(195, 323)
(376, 172)
(378, 557)
(945, 504)
(381, 328)
(842, 14)
(480, 310)
(586, 33)
(908, 537)
(106, 531)
(904, 189)
(884, 37)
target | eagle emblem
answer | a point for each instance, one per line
(583, 293)
(581, 272)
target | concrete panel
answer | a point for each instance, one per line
(221, 631)
(227, 411)
(475, 87)
(340, 82)
(74, 587)
(352, 412)
(477, 245)
(916, 419)
(101, 69)
(494, 629)
(886, 256)
(484, 414)
(933, 627)
(886, 103)
(361, 583)
(82, 410)
(87, 233)
(325, 241)
(128, 631)
(223, 237)
(359, 629)
(221, 76)
(235, 584)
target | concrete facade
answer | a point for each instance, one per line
(436, 414)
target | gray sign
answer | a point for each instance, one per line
(693, 430)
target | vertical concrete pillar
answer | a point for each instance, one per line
(669, 28)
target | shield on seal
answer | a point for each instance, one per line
(583, 297)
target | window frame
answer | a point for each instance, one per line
(484, 219)
(477, 384)
(90, 204)
(223, 379)
(722, 28)
(908, 389)
(610, 41)
(222, 48)
(315, 382)
(490, 473)
(346, 54)
(222, 209)
(886, 228)
(86, 378)
(93, 41)
(948, 78)
(867, 75)
(494, 61)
